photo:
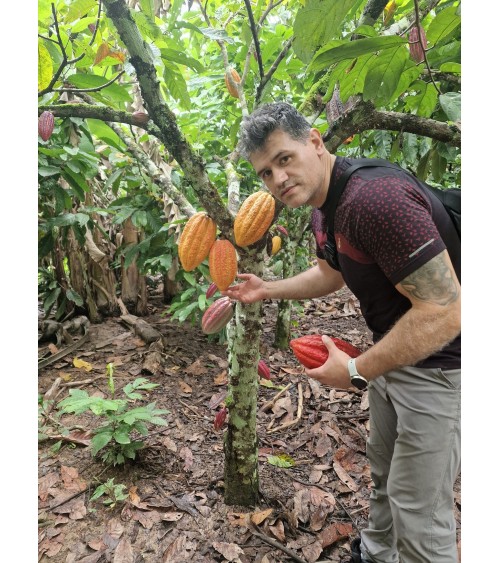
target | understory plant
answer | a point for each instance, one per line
(113, 441)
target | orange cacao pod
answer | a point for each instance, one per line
(231, 89)
(312, 353)
(196, 240)
(276, 245)
(223, 263)
(46, 125)
(217, 316)
(417, 47)
(254, 218)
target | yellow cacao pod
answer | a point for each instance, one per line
(230, 88)
(276, 245)
(223, 264)
(254, 218)
(196, 240)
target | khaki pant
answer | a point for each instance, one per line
(414, 453)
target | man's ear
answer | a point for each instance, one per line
(317, 140)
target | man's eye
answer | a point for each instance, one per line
(266, 174)
(284, 159)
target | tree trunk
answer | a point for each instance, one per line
(241, 476)
(134, 290)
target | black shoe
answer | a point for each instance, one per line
(356, 551)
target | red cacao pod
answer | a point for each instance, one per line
(417, 45)
(196, 240)
(212, 289)
(217, 316)
(220, 418)
(140, 118)
(263, 370)
(46, 125)
(312, 353)
(223, 263)
(253, 218)
(282, 230)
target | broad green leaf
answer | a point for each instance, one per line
(408, 76)
(445, 23)
(121, 437)
(48, 171)
(451, 104)
(180, 57)
(337, 51)
(146, 25)
(75, 297)
(104, 132)
(114, 91)
(184, 314)
(100, 440)
(76, 181)
(79, 8)
(82, 25)
(147, 7)
(425, 100)
(176, 85)
(51, 298)
(316, 23)
(140, 218)
(216, 34)
(453, 68)
(283, 460)
(383, 76)
(45, 70)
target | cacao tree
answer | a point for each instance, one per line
(148, 96)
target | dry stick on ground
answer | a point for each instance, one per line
(296, 420)
(270, 403)
(277, 545)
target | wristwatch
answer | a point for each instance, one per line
(357, 380)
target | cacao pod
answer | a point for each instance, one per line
(217, 316)
(140, 118)
(263, 370)
(223, 263)
(312, 353)
(253, 218)
(282, 230)
(230, 88)
(212, 288)
(46, 125)
(220, 418)
(348, 140)
(196, 240)
(416, 47)
(276, 245)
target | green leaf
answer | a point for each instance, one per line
(99, 441)
(45, 70)
(316, 23)
(79, 9)
(75, 297)
(114, 91)
(139, 218)
(104, 132)
(383, 76)
(46, 171)
(184, 314)
(337, 51)
(451, 104)
(283, 460)
(50, 299)
(76, 181)
(425, 100)
(121, 437)
(180, 57)
(443, 25)
(147, 7)
(176, 85)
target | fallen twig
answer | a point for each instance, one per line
(270, 403)
(296, 419)
(277, 545)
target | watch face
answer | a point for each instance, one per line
(359, 382)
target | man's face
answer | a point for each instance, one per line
(295, 172)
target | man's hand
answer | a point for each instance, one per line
(249, 291)
(333, 372)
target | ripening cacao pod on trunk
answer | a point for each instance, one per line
(282, 230)
(140, 118)
(196, 240)
(312, 353)
(223, 263)
(263, 370)
(416, 47)
(46, 125)
(217, 315)
(230, 88)
(220, 418)
(212, 289)
(276, 245)
(254, 218)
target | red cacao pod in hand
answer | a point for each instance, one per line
(312, 353)
(217, 315)
(263, 370)
(46, 125)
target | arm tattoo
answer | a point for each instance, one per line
(432, 282)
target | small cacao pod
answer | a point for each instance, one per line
(417, 45)
(276, 245)
(263, 370)
(140, 118)
(253, 218)
(230, 88)
(348, 140)
(220, 418)
(282, 230)
(212, 289)
(223, 263)
(196, 240)
(312, 353)
(217, 316)
(46, 125)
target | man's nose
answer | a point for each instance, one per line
(280, 177)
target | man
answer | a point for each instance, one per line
(400, 256)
